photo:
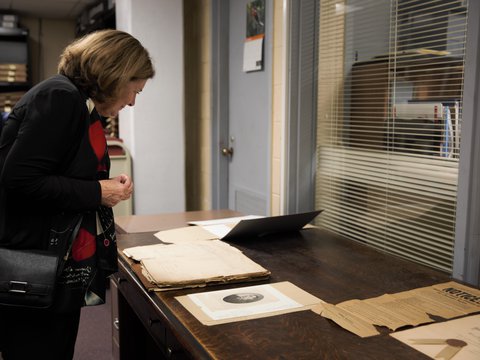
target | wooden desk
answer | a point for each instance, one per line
(319, 262)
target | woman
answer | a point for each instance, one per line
(54, 162)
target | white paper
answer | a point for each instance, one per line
(245, 301)
(230, 220)
(252, 54)
(219, 230)
(455, 339)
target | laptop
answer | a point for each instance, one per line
(269, 225)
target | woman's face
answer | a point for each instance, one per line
(126, 97)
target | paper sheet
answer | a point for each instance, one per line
(185, 234)
(221, 227)
(411, 307)
(230, 220)
(253, 54)
(252, 300)
(455, 339)
(222, 306)
(347, 320)
(219, 230)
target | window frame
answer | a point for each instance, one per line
(466, 259)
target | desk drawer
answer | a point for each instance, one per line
(154, 324)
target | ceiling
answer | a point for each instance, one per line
(47, 9)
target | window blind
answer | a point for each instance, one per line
(389, 116)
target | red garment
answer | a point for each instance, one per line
(84, 245)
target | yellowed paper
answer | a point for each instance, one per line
(453, 297)
(250, 302)
(422, 299)
(398, 313)
(411, 307)
(185, 234)
(348, 321)
(194, 263)
(139, 253)
(373, 313)
(455, 339)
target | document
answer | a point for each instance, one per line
(410, 308)
(455, 339)
(194, 264)
(251, 302)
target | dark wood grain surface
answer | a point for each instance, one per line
(321, 263)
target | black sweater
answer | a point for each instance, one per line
(47, 164)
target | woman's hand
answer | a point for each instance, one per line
(116, 189)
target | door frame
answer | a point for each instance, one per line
(220, 105)
(297, 193)
(219, 102)
(466, 260)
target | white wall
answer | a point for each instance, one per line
(153, 130)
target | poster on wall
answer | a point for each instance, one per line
(255, 34)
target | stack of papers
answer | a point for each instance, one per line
(194, 264)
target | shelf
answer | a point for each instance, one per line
(101, 15)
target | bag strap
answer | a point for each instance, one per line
(72, 237)
(63, 233)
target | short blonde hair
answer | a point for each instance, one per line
(103, 62)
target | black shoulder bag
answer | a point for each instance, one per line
(28, 277)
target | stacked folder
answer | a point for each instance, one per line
(13, 73)
(9, 99)
(194, 264)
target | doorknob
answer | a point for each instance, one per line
(227, 151)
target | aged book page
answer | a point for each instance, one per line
(194, 263)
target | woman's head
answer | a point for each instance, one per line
(104, 63)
